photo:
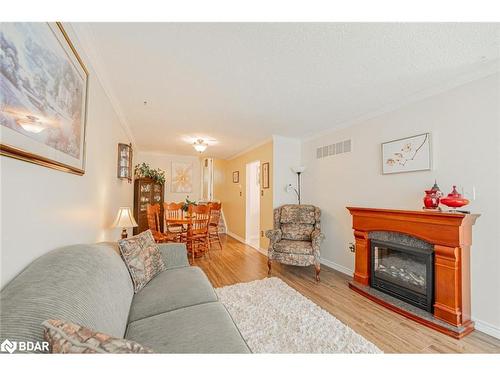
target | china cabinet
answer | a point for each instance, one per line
(146, 191)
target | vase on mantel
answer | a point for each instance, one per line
(432, 197)
(454, 199)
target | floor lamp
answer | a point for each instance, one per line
(299, 170)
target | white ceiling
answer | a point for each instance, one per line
(241, 83)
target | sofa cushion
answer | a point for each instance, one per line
(142, 257)
(174, 255)
(205, 328)
(170, 290)
(297, 231)
(66, 337)
(293, 247)
(293, 213)
(85, 284)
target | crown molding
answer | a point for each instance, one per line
(248, 149)
(85, 37)
(488, 69)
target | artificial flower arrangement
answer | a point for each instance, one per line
(144, 170)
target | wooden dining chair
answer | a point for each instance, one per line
(197, 234)
(213, 224)
(172, 212)
(153, 215)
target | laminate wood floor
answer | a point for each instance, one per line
(392, 333)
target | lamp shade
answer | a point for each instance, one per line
(124, 218)
(299, 169)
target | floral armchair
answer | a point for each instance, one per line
(296, 237)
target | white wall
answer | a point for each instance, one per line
(164, 162)
(465, 124)
(42, 208)
(286, 155)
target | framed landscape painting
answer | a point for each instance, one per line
(43, 96)
(407, 154)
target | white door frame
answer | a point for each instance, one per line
(252, 204)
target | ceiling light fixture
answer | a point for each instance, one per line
(200, 145)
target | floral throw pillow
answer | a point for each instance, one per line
(142, 257)
(66, 337)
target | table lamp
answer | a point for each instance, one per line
(124, 220)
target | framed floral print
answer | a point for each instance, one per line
(43, 96)
(182, 177)
(407, 154)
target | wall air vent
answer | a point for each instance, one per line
(334, 149)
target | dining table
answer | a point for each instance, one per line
(186, 221)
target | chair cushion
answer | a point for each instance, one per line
(205, 328)
(67, 337)
(298, 231)
(293, 213)
(142, 257)
(170, 290)
(293, 247)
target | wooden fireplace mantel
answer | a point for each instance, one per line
(451, 235)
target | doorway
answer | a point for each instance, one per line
(252, 230)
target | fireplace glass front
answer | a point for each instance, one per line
(404, 272)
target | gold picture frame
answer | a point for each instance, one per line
(16, 116)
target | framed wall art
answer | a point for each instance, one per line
(43, 96)
(236, 177)
(265, 176)
(407, 154)
(182, 177)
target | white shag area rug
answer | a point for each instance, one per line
(274, 318)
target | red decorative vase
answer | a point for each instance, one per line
(454, 199)
(431, 199)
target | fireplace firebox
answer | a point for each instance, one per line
(405, 272)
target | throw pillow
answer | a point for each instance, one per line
(66, 337)
(142, 257)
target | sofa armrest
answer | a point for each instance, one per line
(274, 235)
(174, 255)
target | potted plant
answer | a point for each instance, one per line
(187, 203)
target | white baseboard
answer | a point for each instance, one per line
(486, 328)
(337, 267)
(479, 324)
(242, 240)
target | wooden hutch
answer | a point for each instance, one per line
(146, 191)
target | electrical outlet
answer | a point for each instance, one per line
(352, 247)
(262, 233)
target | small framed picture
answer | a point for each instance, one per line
(407, 154)
(265, 176)
(236, 177)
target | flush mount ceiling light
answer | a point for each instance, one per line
(200, 145)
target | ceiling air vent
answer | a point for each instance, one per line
(333, 149)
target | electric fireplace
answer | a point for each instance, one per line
(404, 272)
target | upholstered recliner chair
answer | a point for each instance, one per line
(296, 237)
